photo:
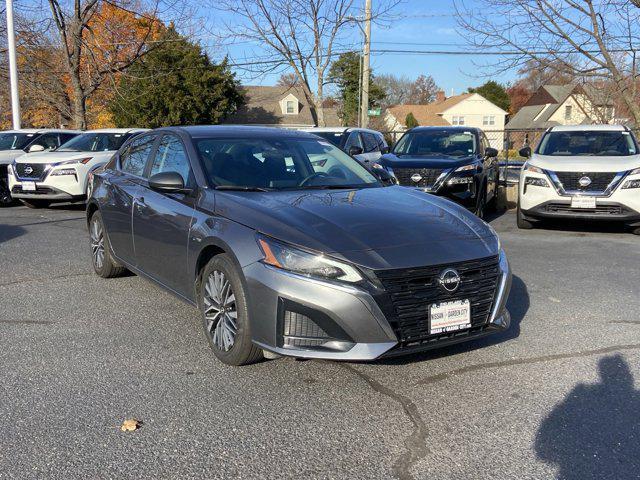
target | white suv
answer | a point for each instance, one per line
(587, 172)
(38, 179)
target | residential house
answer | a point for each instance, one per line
(470, 109)
(554, 105)
(280, 107)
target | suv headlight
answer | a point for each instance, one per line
(527, 167)
(292, 259)
(463, 175)
(632, 183)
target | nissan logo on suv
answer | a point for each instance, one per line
(450, 280)
(28, 170)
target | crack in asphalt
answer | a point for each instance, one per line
(625, 322)
(53, 277)
(414, 443)
(524, 361)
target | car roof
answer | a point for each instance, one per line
(41, 130)
(212, 131)
(117, 130)
(338, 130)
(452, 128)
(588, 128)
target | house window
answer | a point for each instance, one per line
(488, 120)
(291, 107)
(568, 111)
(457, 121)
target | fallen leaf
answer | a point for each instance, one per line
(130, 425)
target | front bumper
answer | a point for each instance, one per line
(358, 329)
(604, 211)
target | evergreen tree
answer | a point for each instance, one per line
(410, 121)
(175, 84)
(495, 93)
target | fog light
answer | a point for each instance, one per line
(632, 184)
(536, 182)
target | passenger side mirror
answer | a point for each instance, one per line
(490, 152)
(385, 150)
(167, 182)
(383, 175)
(353, 151)
(36, 148)
(525, 152)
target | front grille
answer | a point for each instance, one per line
(30, 170)
(429, 176)
(412, 291)
(603, 210)
(599, 180)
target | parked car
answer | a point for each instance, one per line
(367, 146)
(589, 172)
(289, 245)
(38, 179)
(454, 162)
(14, 143)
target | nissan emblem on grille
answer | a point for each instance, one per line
(416, 177)
(28, 170)
(584, 182)
(449, 279)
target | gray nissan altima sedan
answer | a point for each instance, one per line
(287, 244)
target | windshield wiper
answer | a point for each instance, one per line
(240, 188)
(329, 187)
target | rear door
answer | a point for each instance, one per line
(162, 221)
(123, 187)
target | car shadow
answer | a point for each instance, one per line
(9, 232)
(582, 227)
(69, 206)
(518, 305)
(594, 433)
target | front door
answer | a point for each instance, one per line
(162, 221)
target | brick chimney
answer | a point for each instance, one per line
(440, 96)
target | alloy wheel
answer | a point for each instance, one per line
(220, 311)
(97, 244)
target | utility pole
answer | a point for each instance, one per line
(13, 67)
(366, 61)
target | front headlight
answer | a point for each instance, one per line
(467, 168)
(298, 261)
(530, 168)
(63, 171)
(76, 161)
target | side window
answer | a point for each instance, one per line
(370, 142)
(171, 157)
(48, 140)
(353, 141)
(381, 141)
(65, 137)
(134, 158)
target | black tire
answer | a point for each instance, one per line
(522, 222)
(108, 267)
(36, 203)
(217, 317)
(635, 230)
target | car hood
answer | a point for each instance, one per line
(392, 227)
(55, 157)
(409, 161)
(585, 164)
(8, 156)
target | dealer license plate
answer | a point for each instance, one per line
(583, 202)
(449, 316)
(28, 186)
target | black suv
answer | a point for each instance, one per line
(455, 162)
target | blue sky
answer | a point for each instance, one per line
(422, 25)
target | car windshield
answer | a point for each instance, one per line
(334, 137)
(280, 164)
(16, 141)
(429, 143)
(94, 142)
(585, 143)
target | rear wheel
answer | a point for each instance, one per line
(225, 316)
(36, 203)
(103, 262)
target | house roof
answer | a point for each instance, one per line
(262, 107)
(429, 114)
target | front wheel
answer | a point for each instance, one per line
(36, 203)
(522, 222)
(103, 262)
(225, 316)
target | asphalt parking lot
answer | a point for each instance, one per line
(554, 397)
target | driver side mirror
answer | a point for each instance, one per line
(353, 151)
(383, 175)
(385, 150)
(168, 182)
(490, 152)
(525, 152)
(35, 148)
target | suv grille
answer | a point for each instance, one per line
(599, 180)
(599, 210)
(413, 291)
(30, 170)
(429, 176)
